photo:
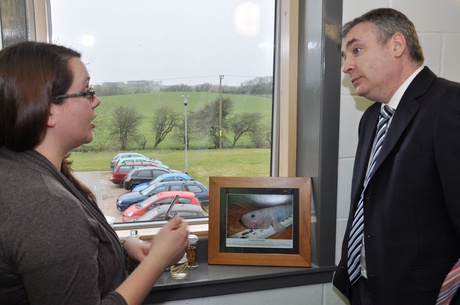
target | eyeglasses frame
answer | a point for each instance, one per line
(90, 92)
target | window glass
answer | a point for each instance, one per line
(185, 214)
(195, 188)
(185, 82)
(185, 201)
(160, 189)
(153, 215)
(146, 173)
(159, 172)
(125, 169)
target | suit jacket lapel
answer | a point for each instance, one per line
(407, 108)
(367, 131)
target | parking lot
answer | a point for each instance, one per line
(106, 192)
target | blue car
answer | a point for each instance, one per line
(163, 178)
(201, 192)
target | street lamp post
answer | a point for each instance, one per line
(186, 132)
(220, 111)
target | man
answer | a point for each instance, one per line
(403, 232)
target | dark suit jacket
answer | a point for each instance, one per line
(412, 202)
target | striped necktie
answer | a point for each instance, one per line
(450, 285)
(355, 240)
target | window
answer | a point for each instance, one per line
(161, 189)
(195, 188)
(146, 173)
(305, 137)
(125, 169)
(171, 63)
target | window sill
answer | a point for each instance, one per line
(214, 280)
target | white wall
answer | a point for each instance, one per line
(438, 27)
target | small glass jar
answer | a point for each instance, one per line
(191, 252)
(179, 270)
(134, 234)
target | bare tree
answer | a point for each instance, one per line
(125, 122)
(142, 141)
(259, 85)
(163, 123)
(245, 123)
(207, 119)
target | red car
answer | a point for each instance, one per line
(140, 208)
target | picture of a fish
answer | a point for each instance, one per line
(263, 218)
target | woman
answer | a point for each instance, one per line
(55, 245)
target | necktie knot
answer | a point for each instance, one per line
(386, 112)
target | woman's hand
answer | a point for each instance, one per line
(169, 245)
(170, 240)
(136, 248)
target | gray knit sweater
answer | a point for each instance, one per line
(55, 246)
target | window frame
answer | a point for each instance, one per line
(306, 109)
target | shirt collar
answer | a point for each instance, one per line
(396, 98)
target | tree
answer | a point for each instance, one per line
(163, 123)
(206, 119)
(207, 87)
(125, 122)
(259, 85)
(176, 88)
(245, 123)
(142, 141)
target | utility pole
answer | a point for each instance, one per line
(186, 132)
(220, 111)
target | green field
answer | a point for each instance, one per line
(201, 163)
(147, 103)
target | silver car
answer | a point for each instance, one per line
(182, 210)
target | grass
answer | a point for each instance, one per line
(201, 163)
(147, 103)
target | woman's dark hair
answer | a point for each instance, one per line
(31, 74)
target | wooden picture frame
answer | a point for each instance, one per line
(241, 207)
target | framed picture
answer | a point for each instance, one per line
(261, 221)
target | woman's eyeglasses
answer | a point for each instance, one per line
(90, 92)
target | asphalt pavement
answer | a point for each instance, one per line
(106, 192)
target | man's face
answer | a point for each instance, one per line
(368, 63)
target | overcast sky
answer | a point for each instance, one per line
(176, 41)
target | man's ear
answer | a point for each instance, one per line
(399, 44)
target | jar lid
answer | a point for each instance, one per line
(192, 239)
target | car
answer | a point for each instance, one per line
(123, 169)
(141, 159)
(163, 198)
(200, 191)
(186, 211)
(142, 174)
(163, 178)
(114, 161)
